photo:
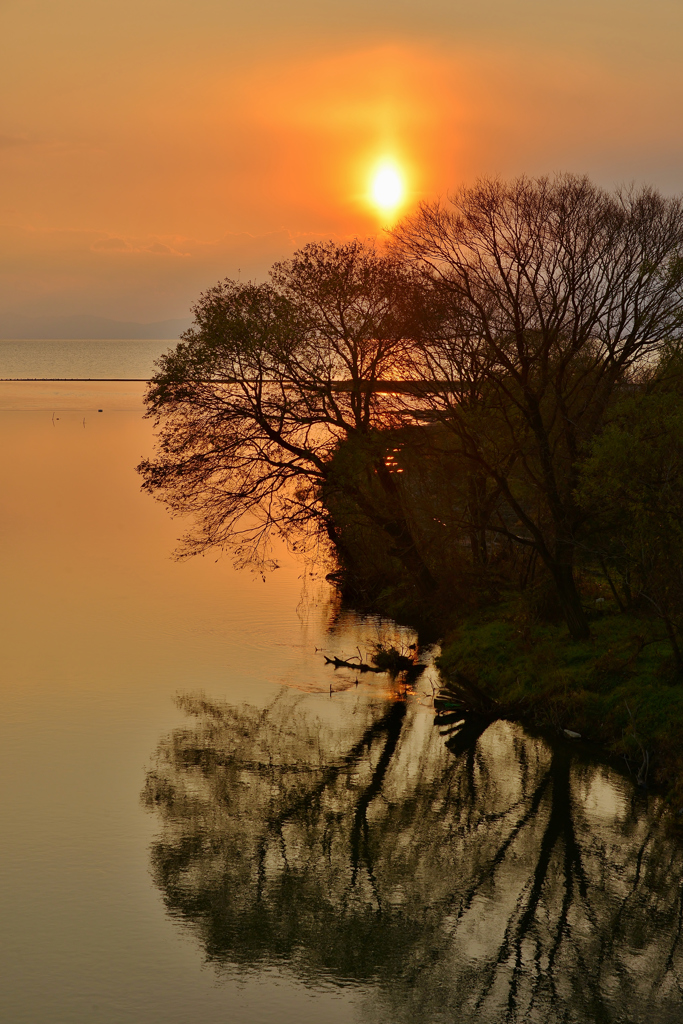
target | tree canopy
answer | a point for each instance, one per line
(498, 328)
(558, 291)
(631, 481)
(259, 393)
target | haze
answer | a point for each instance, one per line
(148, 148)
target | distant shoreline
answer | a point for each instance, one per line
(75, 380)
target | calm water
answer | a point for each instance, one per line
(99, 359)
(203, 822)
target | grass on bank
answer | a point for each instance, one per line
(618, 689)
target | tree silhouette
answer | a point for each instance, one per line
(256, 398)
(557, 290)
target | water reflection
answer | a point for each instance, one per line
(468, 872)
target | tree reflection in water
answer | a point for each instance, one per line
(488, 877)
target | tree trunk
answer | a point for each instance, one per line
(671, 633)
(404, 549)
(570, 600)
(478, 523)
(615, 592)
(397, 527)
(390, 521)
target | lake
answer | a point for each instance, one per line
(80, 358)
(202, 821)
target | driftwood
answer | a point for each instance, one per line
(393, 666)
(359, 666)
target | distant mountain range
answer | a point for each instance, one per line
(14, 325)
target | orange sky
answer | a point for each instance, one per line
(148, 148)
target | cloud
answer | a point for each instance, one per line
(13, 141)
(161, 249)
(59, 273)
(111, 245)
(133, 245)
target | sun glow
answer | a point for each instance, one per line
(387, 188)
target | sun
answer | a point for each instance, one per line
(387, 188)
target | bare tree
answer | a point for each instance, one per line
(557, 290)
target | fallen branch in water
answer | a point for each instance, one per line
(361, 666)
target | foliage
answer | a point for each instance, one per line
(632, 482)
(617, 689)
(253, 402)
